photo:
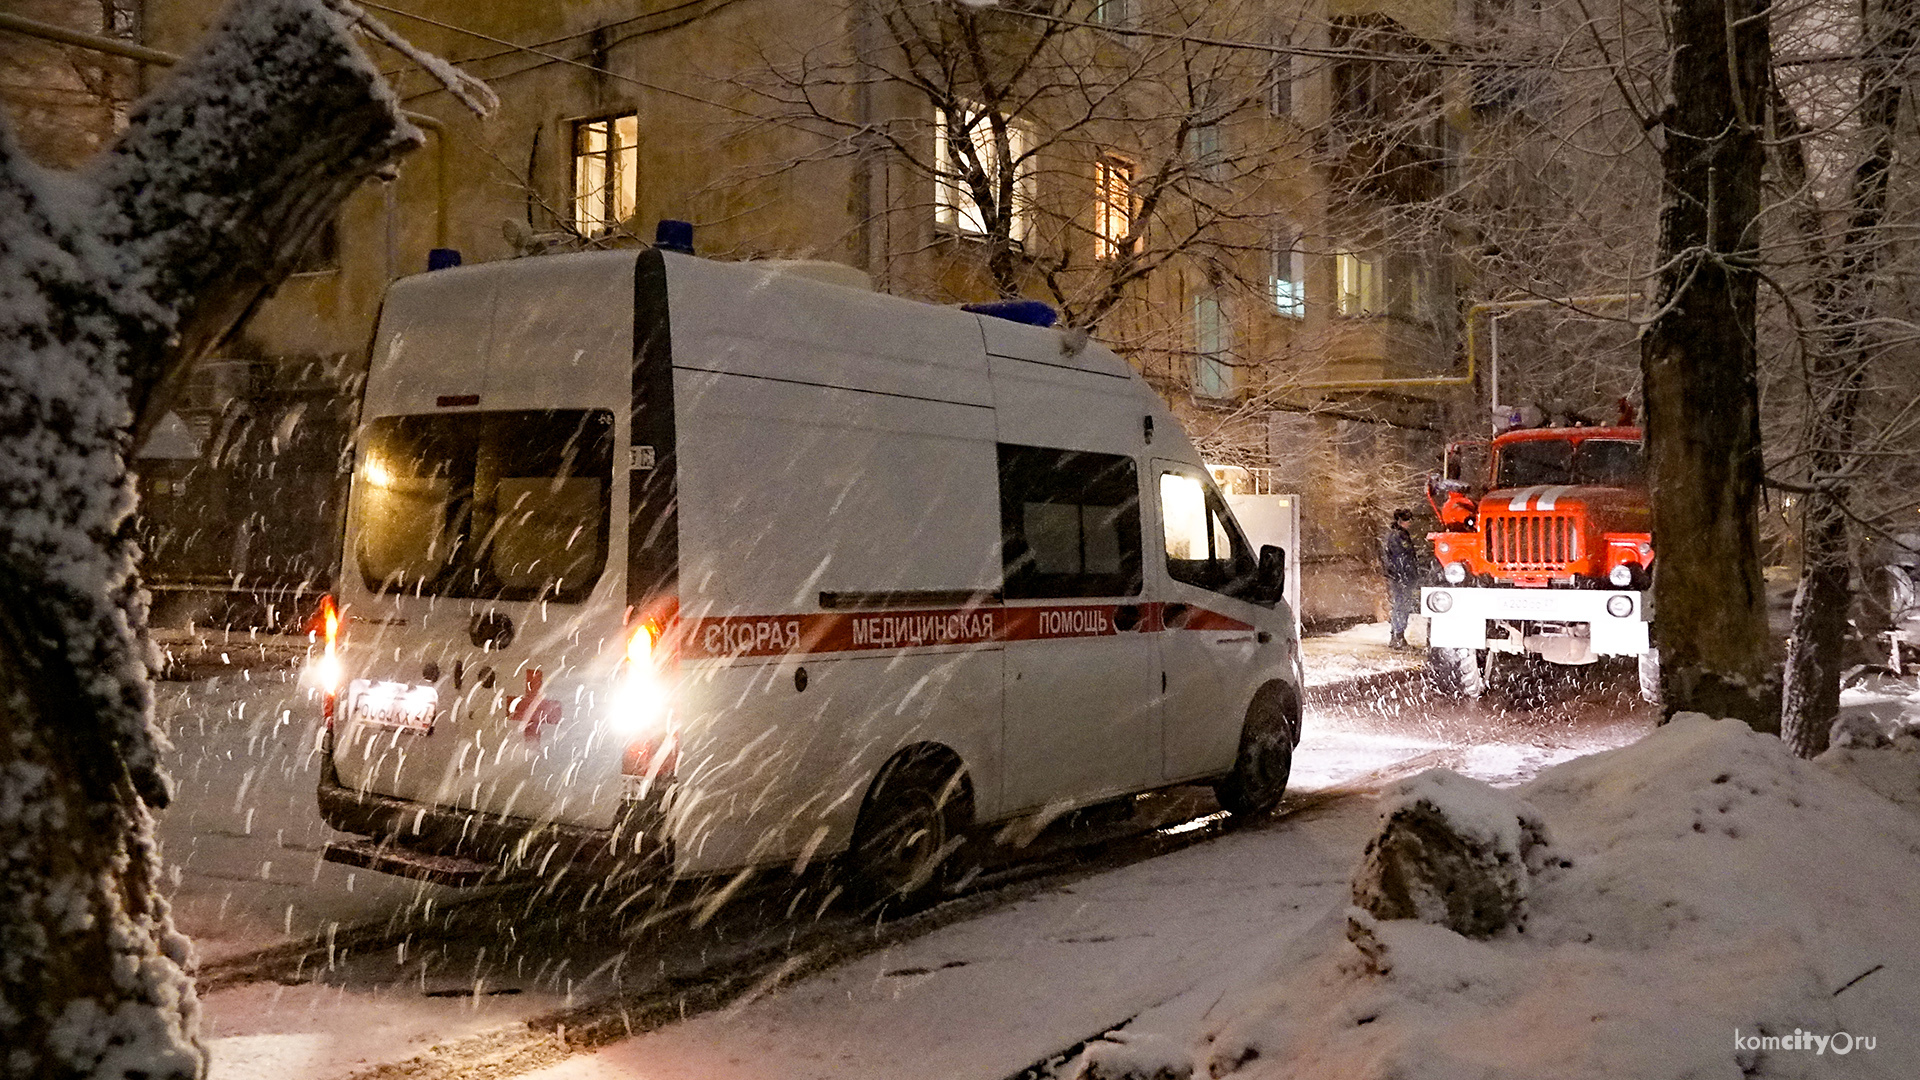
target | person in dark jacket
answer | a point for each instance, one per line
(1401, 562)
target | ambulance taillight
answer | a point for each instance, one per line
(643, 703)
(327, 672)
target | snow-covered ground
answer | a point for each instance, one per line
(1712, 907)
(1359, 651)
(242, 840)
(987, 998)
(1005, 989)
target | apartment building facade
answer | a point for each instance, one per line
(1229, 194)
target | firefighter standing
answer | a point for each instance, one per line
(1401, 561)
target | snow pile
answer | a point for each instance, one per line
(1874, 712)
(1716, 908)
(1876, 740)
(1453, 852)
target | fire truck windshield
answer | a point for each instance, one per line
(1602, 462)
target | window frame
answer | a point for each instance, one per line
(1235, 576)
(1109, 241)
(321, 255)
(466, 571)
(1288, 267)
(1212, 367)
(619, 160)
(954, 208)
(1357, 285)
(1025, 472)
(1282, 75)
(1114, 14)
(1210, 160)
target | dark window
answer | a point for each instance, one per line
(1535, 461)
(1070, 523)
(504, 505)
(1280, 99)
(1609, 463)
(322, 253)
(1204, 544)
(1114, 13)
(1604, 462)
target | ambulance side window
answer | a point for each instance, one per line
(1070, 523)
(1204, 546)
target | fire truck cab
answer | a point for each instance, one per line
(1551, 558)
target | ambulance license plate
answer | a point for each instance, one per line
(397, 705)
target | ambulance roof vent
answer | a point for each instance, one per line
(1025, 312)
(832, 273)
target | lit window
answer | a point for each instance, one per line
(1288, 280)
(955, 206)
(1212, 370)
(1112, 207)
(1357, 278)
(1204, 546)
(1183, 516)
(606, 173)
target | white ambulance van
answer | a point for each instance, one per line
(720, 565)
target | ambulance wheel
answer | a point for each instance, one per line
(1260, 770)
(914, 817)
(1455, 673)
(1650, 676)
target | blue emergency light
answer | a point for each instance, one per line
(1026, 312)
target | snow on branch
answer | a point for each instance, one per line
(469, 91)
(112, 280)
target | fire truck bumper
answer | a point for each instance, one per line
(1614, 621)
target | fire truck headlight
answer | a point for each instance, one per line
(1440, 601)
(1455, 573)
(1619, 606)
(1621, 576)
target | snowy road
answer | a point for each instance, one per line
(991, 996)
(320, 971)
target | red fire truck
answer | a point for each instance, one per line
(1549, 556)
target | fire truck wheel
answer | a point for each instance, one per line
(1650, 676)
(1456, 673)
(914, 817)
(1265, 760)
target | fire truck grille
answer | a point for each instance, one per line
(1535, 542)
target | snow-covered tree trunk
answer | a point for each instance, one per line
(1810, 698)
(1699, 367)
(111, 281)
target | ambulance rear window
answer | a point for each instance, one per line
(494, 505)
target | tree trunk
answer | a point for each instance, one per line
(1810, 697)
(1699, 369)
(111, 281)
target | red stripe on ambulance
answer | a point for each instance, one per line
(736, 636)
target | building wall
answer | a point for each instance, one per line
(65, 102)
(717, 147)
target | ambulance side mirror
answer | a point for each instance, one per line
(1273, 574)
